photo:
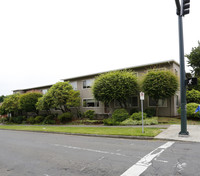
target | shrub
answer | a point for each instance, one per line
(50, 119)
(18, 119)
(89, 114)
(133, 111)
(193, 96)
(120, 115)
(110, 122)
(191, 107)
(151, 112)
(147, 121)
(31, 120)
(39, 119)
(65, 117)
(138, 116)
(4, 120)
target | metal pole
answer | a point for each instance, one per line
(182, 80)
(142, 116)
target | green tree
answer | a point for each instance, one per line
(193, 96)
(117, 85)
(194, 59)
(44, 103)
(160, 85)
(28, 101)
(62, 96)
(2, 98)
(11, 104)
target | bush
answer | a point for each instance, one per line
(191, 107)
(193, 96)
(18, 119)
(89, 114)
(65, 117)
(151, 112)
(133, 111)
(150, 121)
(39, 119)
(31, 120)
(50, 119)
(4, 120)
(110, 122)
(138, 116)
(120, 115)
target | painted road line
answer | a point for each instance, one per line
(89, 150)
(145, 162)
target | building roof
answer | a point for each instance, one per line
(40, 87)
(95, 74)
(135, 67)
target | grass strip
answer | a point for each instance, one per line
(128, 131)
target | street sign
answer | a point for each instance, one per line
(141, 95)
(191, 81)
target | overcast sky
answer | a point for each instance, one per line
(44, 41)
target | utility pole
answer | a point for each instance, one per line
(181, 10)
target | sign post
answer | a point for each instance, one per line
(142, 98)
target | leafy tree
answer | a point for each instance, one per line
(193, 96)
(2, 98)
(45, 103)
(11, 104)
(194, 59)
(160, 85)
(28, 101)
(117, 85)
(62, 96)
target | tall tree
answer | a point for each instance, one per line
(117, 85)
(160, 85)
(194, 60)
(62, 96)
(28, 101)
(2, 98)
(11, 104)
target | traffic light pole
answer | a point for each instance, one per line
(182, 79)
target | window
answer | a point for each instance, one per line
(44, 91)
(161, 102)
(74, 85)
(87, 83)
(177, 100)
(90, 103)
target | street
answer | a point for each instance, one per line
(45, 154)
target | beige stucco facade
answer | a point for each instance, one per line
(83, 84)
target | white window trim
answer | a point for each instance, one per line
(89, 99)
(85, 80)
(75, 83)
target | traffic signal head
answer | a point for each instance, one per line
(185, 7)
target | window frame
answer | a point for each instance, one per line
(95, 102)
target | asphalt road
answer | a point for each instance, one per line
(44, 154)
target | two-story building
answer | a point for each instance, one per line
(167, 107)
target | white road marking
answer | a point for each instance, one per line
(145, 162)
(180, 166)
(89, 150)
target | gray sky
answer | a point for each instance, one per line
(43, 41)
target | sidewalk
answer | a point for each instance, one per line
(173, 133)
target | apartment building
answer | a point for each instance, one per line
(167, 107)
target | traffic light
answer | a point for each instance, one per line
(185, 7)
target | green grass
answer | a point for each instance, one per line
(174, 120)
(127, 131)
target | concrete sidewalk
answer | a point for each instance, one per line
(173, 133)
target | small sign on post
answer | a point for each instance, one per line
(142, 98)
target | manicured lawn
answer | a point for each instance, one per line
(126, 131)
(173, 120)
